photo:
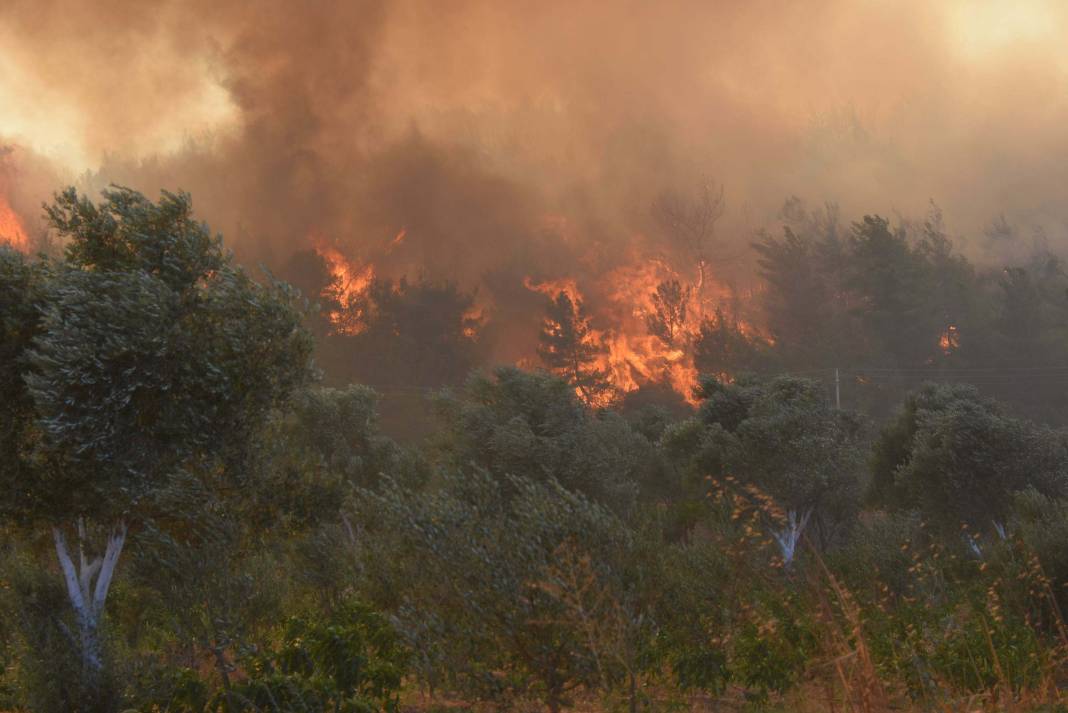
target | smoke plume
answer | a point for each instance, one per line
(513, 137)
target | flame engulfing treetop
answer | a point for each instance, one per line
(11, 230)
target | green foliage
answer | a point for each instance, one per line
(47, 670)
(782, 437)
(316, 454)
(693, 582)
(889, 275)
(772, 647)
(532, 426)
(958, 458)
(150, 369)
(153, 353)
(541, 545)
(474, 560)
(802, 314)
(405, 334)
(722, 347)
(351, 661)
(1041, 523)
(22, 282)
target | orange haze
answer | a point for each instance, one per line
(486, 142)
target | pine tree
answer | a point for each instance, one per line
(570, 350)
(668, 319)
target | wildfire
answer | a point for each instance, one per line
(551, 288)
(11, 230)
(350, 283)
(631, 355)
(950, 340)
(642, 319)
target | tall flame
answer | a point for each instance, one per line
(11, 230)
(350, 283)
(631, 356)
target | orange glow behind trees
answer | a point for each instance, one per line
(12, 231)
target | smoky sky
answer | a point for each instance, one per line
(514, 136)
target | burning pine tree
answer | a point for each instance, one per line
(569, 349)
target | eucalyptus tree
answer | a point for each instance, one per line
(146, 362)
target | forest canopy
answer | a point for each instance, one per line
(198, 518)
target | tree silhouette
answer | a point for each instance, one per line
(570, 350)
(670, 304)
(690, 222)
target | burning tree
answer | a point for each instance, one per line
(570, 349)
(691, 223)
(146, 366)
(12, 231)
(667, 321)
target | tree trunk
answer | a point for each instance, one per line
(790, 534)
(218, 650)
(87, 596)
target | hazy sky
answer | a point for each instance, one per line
(470, 121)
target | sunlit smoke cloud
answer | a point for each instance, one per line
(467, 123)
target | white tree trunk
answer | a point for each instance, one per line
(86, 597)
(790, 535)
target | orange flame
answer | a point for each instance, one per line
(551, 288)
(349, 285)
(473, 319)
(647, 358)
(950, 340)
(632, 357)
(11, 230)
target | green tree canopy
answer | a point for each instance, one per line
(958, 458)
(152, 362)
(533, 426)
(783, 437)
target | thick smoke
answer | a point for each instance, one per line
(508, 138)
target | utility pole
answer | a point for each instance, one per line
(837, 391)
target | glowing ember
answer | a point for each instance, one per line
(11, 230)
(950, 340)
(473, 319)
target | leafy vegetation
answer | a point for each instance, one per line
(192, 523)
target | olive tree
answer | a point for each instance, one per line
(959, 458)
(152, 361)
(533, 425)
(782, 438)
(475, 567)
